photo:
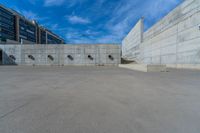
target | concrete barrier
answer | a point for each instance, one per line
(101, 54)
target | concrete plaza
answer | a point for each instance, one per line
(98, 100)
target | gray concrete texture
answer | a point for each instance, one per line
(175, 40)
(131, 43)
(59, 54)
(98, 100)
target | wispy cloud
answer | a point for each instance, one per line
(33, 1)
(54, 27)
(68, 3)
(124, 17)
(30, 15)
(77, 38)
(82, 37)
(53, 2)
(77, 20)
(99, 21)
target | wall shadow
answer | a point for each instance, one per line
(1, 56)
(6, 59)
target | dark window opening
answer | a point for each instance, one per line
(70, 57)
(31, 57)
(12, 57)
(50, 57)
(90, 57)
(110, 57)
(1, 56)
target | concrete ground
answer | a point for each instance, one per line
(98, 100)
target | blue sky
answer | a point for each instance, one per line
(92, 21)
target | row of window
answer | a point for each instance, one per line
(5, 20)
(5, 11)
(53, 40)
(7, 16)
(6, 26)
(27, 25)
(5, 30)
(43, 37)
(27, 30)
(7, 36)
(29, 37)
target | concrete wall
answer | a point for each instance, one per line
(61, 54)
(175, 40)
(131, 43)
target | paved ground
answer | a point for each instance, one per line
(98, 100)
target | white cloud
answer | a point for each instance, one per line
(54, 27)
(124, 17)
(68, 3)
(81, 37)
(77, 20)
(53, 2)
(77, 38)
(30, 15)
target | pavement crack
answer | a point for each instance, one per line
(14, 110)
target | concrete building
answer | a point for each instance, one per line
(15, 29)
(173, 41)
(101, 54)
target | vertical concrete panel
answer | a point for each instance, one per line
(40, 53)
(90, 55)
(102, 54)
(69, 55)
(61, 55)
(112, 54)
(79, 55)
(131, 43)
(29, 56)
(53, 54)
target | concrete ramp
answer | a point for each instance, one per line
(144, 67)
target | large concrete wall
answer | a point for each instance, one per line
(132, 41)
(61, 54)
(175, 40)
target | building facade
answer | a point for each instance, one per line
(15, 29)
(7, 25)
